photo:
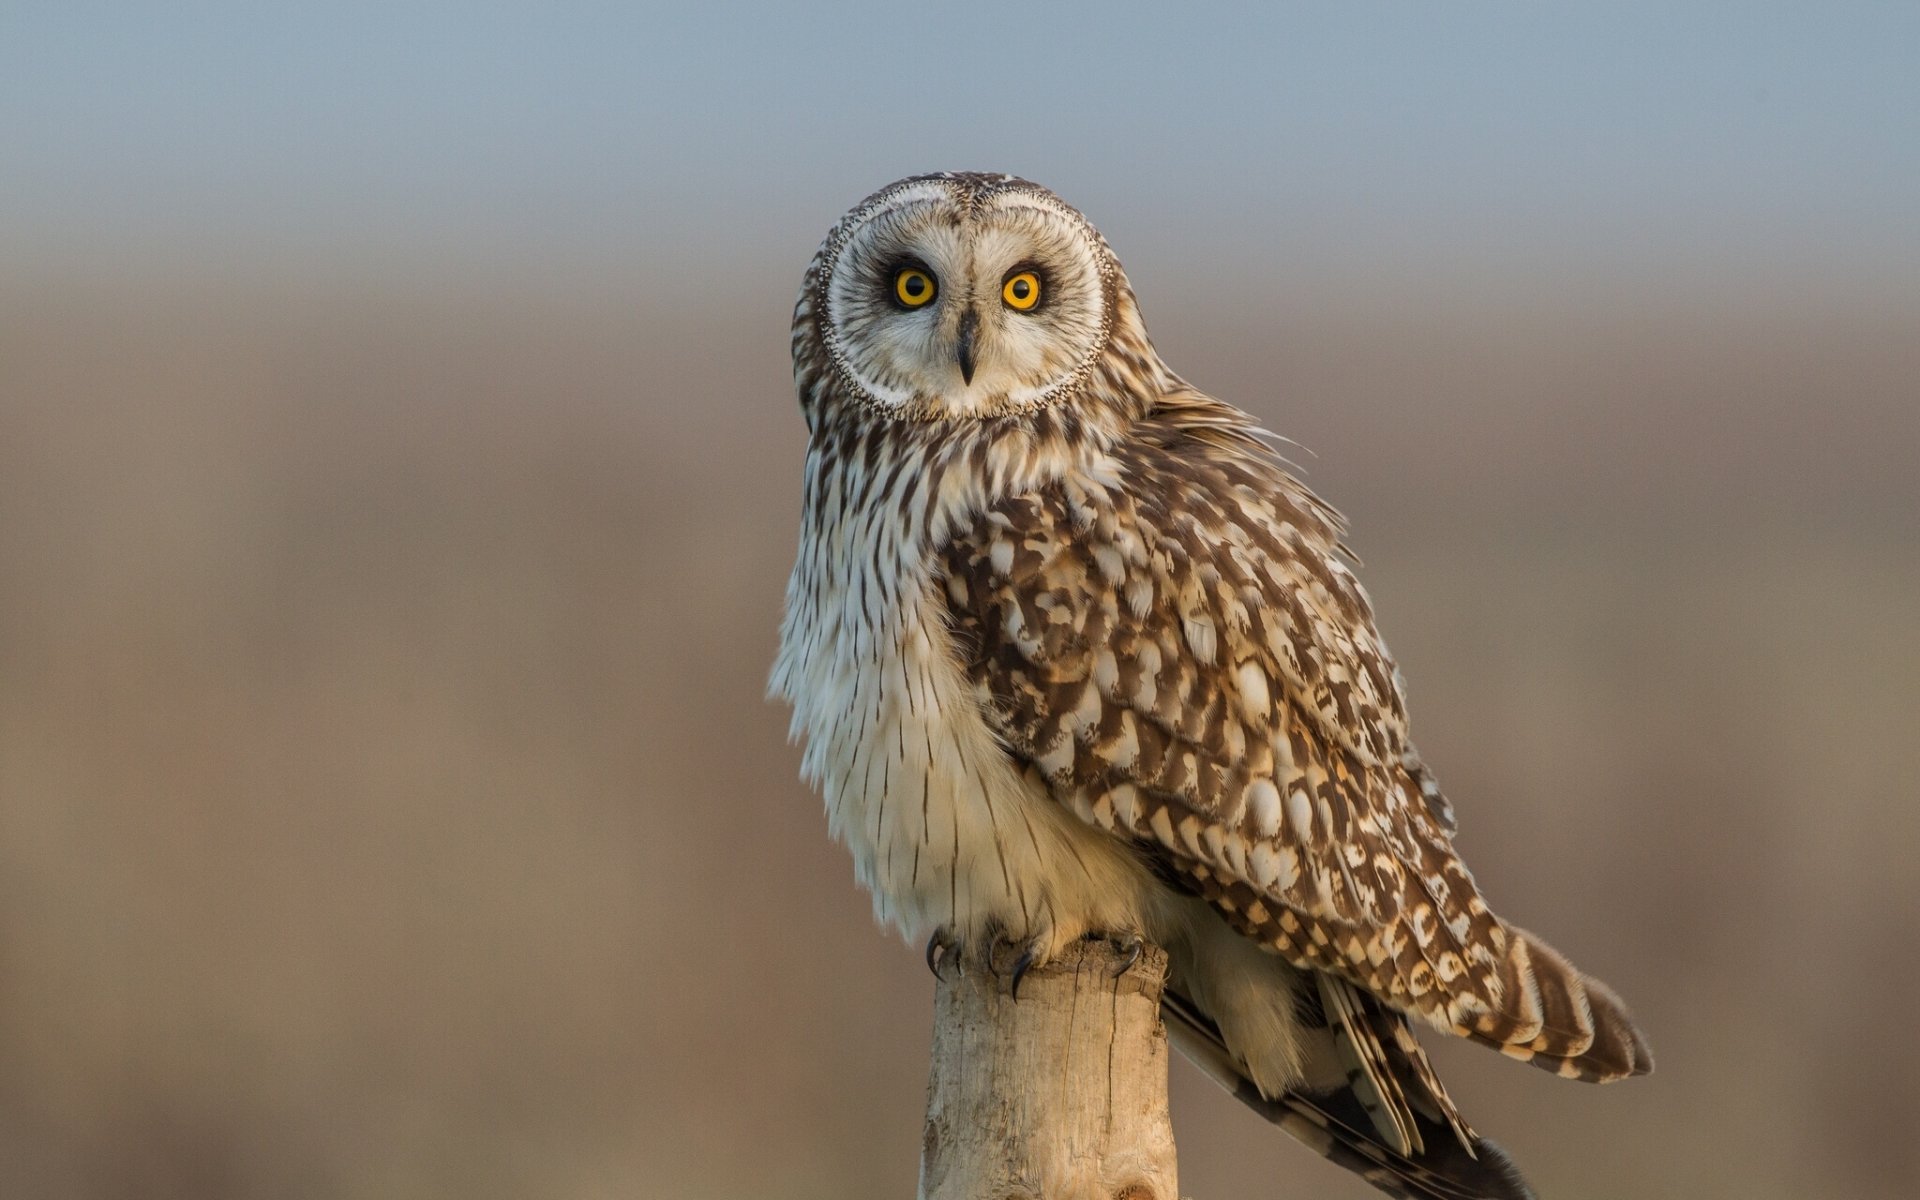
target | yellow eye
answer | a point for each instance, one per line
(1022, 291)
(913, 286)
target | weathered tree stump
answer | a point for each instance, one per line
(1059, 1095)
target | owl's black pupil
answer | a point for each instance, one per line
(1020, 289)
(915, 285)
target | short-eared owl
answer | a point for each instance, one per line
(1073, 655)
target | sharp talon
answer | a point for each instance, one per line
(1020, 966)
(1132, 947)
(942, 949)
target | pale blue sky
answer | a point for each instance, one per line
(706, 138)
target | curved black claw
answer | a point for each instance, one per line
(941, 947)
(1131, 947)
(1020, 966)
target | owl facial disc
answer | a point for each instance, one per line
(965, 296)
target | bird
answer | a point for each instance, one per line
(1073, 654)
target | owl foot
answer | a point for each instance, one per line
(1032, 952)
(1130, 946)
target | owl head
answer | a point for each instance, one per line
(958, 296)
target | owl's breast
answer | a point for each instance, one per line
(946, 828)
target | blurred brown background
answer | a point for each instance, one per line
(388, 580)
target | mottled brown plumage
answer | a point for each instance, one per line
(1074, 654)
(1192, 666)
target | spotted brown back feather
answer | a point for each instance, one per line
(1186, 657)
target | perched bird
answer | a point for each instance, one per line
(1073, 655)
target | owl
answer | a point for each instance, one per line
(1073, 655)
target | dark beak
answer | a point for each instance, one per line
(969, 322)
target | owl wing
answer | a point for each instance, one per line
(1172, 639)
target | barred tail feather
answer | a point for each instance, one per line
(1351, 1022)
(1387, 1069)
(1338, 1126)
(1559, 1019)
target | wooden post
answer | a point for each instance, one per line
(1059, 1095)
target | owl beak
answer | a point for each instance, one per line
(969, 323)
